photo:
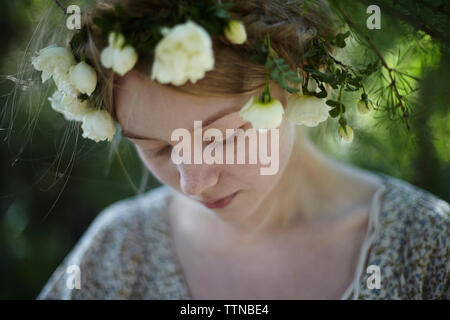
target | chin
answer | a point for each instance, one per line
(241, 207)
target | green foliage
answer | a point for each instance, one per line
(69, 181)
(338, 108)
(339, 40)
(337, 75)
(276, 67)
(145, 32)
(280, 72)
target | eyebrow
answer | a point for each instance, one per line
(205, 123)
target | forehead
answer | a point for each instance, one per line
(148, 109)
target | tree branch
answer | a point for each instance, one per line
(64, 9)
(383, 63)
(411, 20)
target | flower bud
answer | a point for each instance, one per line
(235, 32)
(107, 57)
(120, 59)
(83, 77)
(347, 134)
(263, 115)
(124, 60)
(116, 40)
(363, 106)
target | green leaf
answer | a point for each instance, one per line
(351, 88)
(321, 94)
(295, 79)
(334, 113)
(275, 75)
(280, 71)
(311, 53)
(222, 14)
(370, 68)
(332, 103)
(269, 64)
(83, 97)
(342, 122)
(292, 90)
(340, 39)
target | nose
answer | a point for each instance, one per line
(196, 178)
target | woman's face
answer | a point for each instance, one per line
(148, 114)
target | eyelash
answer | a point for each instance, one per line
(163, 151)
(229, 139)
(160, 152)
(168, 148)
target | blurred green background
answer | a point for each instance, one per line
(49, 194)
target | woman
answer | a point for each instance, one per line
(316, 229)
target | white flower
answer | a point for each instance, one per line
(83, 77)
(107, 57)
(235, 32)
(53, 60)
(347, 134)
(263, 115)
(72, 108)
(124, 59)
(118, 57)
(363, 106)
(98, 125)
(306, 110)
(64, 84)
(185, 53)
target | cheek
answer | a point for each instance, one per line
(287, 141)
(162, 168)
(250, 174)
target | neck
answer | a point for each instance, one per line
(311, 187)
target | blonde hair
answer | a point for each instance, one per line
(290, 25)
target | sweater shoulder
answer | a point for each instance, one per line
(412, 243)
(109, 258)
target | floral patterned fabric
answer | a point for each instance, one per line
(127, 253)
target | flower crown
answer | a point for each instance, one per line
(180, 39)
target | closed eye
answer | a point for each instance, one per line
(151, 148)
(163, 151)
(229, 139)
(157, 153)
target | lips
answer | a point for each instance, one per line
(220, 203)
